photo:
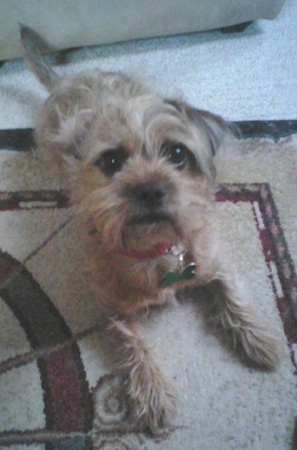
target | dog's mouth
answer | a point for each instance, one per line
(149, 219)
(150, 233)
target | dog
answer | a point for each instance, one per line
(144, 186)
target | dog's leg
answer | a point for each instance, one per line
(152, 398)
(232, 312)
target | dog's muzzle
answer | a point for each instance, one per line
(148, 199)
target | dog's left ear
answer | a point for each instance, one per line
(212, 127)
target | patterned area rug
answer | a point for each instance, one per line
(56, 390)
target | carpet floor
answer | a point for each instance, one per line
(241, 76)
(56, 391)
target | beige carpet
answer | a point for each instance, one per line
(56, 392)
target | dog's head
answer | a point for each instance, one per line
(146, 173)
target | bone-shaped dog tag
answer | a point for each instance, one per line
(188, 273)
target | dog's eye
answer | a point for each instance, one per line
(178, 155)
(111, 161)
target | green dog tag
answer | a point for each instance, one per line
(173, 277)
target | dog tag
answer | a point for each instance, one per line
(189, 272)
(173, 277)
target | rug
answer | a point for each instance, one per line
(56, 390)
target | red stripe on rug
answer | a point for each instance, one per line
(68, 404)
(65, 406)
(275, 250)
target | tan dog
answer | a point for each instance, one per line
(145, 185)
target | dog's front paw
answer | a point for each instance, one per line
(261, 346)
(152, 400)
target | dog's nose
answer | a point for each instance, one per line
(149, 194)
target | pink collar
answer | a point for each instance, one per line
(155, 252)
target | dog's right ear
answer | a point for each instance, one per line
(64, 120)
(33, 45)
(63, 133)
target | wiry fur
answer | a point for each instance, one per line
(88, 114)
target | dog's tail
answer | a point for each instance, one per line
(32, 45)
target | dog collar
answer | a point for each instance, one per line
(152, 253)
(178, 251)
